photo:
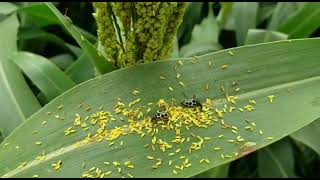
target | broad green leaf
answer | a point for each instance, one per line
(17, 101)
(81, 70)
(281, 13)
(244, 167)
(217, 172)
(43, 73)
(41, 15)
(304, 22)
(274, 69)
(309, 135)
(256, 36)
(102, 65)
(224, 13)
(208, 30)
(33, 34)
(1, 137)
(204, 38)
(272, 160)
(7, 8)
(75, 50)
(175, 52)
(199, 48)
(245, 18)
(265, 10)
(276, 160)
(191, 17)
(63, 61)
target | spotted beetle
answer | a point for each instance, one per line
(161, 115)
(191, 103)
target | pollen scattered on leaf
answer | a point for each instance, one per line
(56, 165)
(161, 77)
(135, 92)
(231, 53)
(270, 138)
(181, 83)
(22, 165)
(225, 66)
(170, 88)
(38, 143)
(260, 132)
(271, 98)
(60, 107)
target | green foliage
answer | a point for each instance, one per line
(52, 68)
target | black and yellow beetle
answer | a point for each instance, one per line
(194, 102)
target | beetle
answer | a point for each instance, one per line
(161, 115)
(194, 102)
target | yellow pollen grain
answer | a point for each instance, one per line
(35, 176)
(271, 98)
(135, 92)
(170, 88)
(231, 53)
(161, 77)
(222, 156)
(207, 87)
(222, 88)
(170, 162)
(225, 66)
(57, 165)
(38, 143)
(260, 132)
(270, 138)
(178, 76)
(174, 172)
(150, 157)
(181, 83)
